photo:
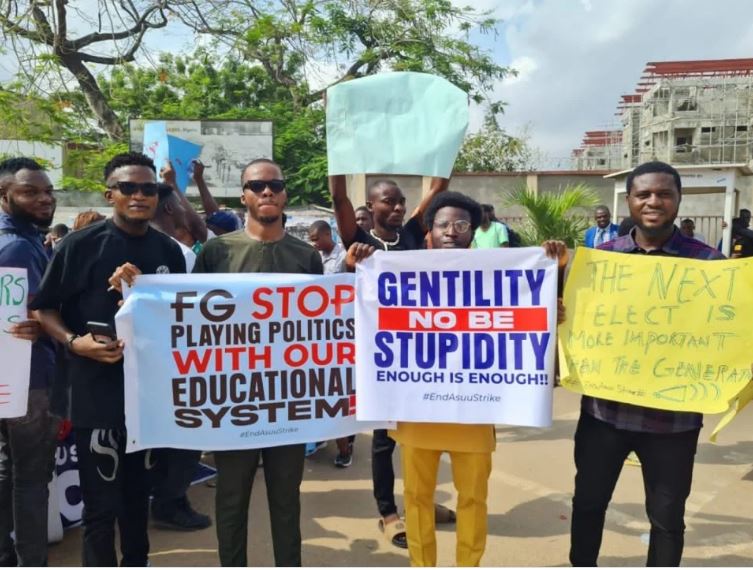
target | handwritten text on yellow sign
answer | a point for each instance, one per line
(657, 331)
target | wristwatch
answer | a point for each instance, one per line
(69, 341)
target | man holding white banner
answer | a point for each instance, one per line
(78, 299)
(262, 246)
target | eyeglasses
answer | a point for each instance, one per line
(148, 189)
(460, 226)
(258, 186)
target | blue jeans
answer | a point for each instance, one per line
(27, 458)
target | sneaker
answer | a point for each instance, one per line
(181, 518)
(312, 448)
(344, 460)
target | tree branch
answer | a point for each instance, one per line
(139, 28)
(62, 26)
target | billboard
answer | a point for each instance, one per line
(227, 146)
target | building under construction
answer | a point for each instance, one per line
(599, 150)
(682, 112)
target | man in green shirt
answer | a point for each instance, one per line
(261, 247)
(490, 233)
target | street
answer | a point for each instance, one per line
(529, 507)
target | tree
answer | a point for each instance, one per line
(491, 149)
(40, 33)
(554, 215)
(257, 67)
(199, 87)
(284, 36)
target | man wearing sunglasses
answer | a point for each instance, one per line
(82, 284)
(261, 247)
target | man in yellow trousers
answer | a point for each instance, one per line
(451, 219)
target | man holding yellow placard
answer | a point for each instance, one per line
(664, 440)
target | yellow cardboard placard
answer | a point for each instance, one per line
(662, 332)
(742, 400)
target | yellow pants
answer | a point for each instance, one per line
(470, 475)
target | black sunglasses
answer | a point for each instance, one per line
(148, 189)
(258, 186)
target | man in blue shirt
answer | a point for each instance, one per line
(27, 444)
(603, 231)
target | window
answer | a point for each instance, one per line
(741, 128)
(687, 105)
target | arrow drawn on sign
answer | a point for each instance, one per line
(689, 392)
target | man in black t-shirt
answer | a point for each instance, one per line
(82, 284)
(386, 202)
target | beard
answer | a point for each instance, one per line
(268, 220)
(655, 231)
(20, 214)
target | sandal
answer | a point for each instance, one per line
(443, 515)
(395, 532)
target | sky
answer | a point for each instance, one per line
(574, 57)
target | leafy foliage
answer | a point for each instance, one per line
(493, 150)
(367, 36)
(84, 166)
(257, 67)
(554, 215)
(195, 87)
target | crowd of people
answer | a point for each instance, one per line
(75, 279)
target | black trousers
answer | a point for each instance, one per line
(283, 473)
(667, 465)
(27, 458)
(171, 478)
(114, 486)
(382, 472)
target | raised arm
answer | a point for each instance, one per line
(344, 213)
(437, 185)
(207, 200)
(195, 223)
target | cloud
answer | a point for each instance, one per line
(576, 58)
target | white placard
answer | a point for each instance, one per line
(15, 354)
(456, 336)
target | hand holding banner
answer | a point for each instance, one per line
(15, 354)
(238, 361)
(662, 332)
(472, 344)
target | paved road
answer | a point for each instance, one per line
(529, 508)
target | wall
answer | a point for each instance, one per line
(51, 154)
(491, 188)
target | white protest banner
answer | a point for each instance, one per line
(15, 354)
(238, 361)
(462, 336)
